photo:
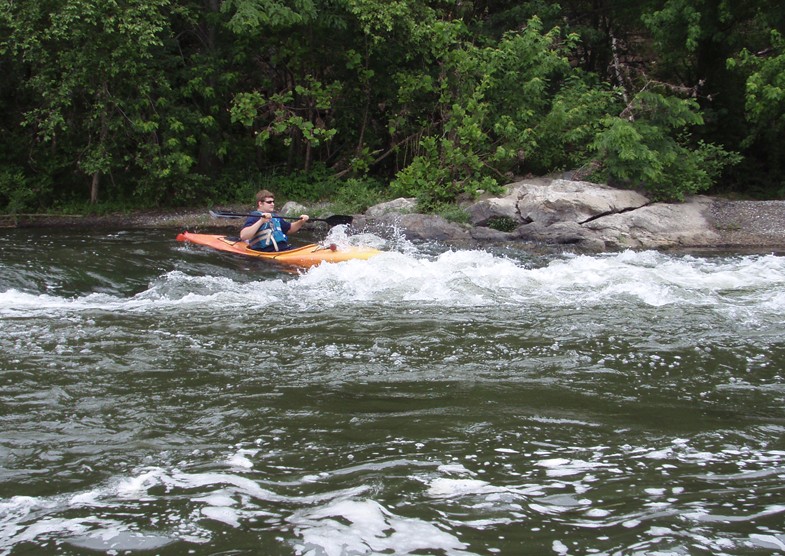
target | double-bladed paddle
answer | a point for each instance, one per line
(335, 220)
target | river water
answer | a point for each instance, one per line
(159, 398)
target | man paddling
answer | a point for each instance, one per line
(263, 231)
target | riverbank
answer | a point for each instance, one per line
(724, 224)
(749, 223)
(185, 218)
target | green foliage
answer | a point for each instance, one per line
(766, 84)
(678, 21)
(89, 61)
(449, 211)
(315, 185)
(765, 102)
(650, 148)
(16, 194)
(489, 100)
(692, 41)
(279, 115)
(179, 102)
(433, 184)
(502, 223)
(561, 138)
(249, 16)
(356, 195)
(379, 18)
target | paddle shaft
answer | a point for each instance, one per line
(331, 220)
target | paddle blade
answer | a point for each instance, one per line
(227, 214)
(337, 220)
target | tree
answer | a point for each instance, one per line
(290, 96)
(650, 147)
(171, 100)
(485, 102)
(91, 72)
(765, 105)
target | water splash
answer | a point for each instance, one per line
(462, 278)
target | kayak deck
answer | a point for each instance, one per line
(305, 256)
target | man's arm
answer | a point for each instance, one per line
(297, 224)
(249, 231)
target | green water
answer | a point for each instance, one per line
(159, 398)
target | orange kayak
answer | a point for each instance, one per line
(306, 256)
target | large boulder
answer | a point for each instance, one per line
(573, 201)
(294, 209)
(585, 215)
(595, 217)
(486, 211)
(399, 213)
(401, 205)
(428, 226)
(659, 225)
(547, 202)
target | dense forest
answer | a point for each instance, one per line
(140, 103)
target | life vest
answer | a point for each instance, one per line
(269, 234)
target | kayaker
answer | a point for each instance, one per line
(266, 233)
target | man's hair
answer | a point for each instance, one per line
(262, 195)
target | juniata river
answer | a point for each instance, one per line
(161, 398)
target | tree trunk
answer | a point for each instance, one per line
(94, 187)
(102, 135)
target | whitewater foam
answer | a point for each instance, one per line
(461, 278)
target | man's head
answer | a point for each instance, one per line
(265, 200)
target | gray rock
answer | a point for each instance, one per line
(401, 205)
(596, 217)
(292, 208)
(482, 233)
(658, 225)
(430, 226)
(483, 212)
(560, 233)
(415, 226)
(576, 201)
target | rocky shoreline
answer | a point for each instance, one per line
(540, 212)
(749, 223)
(591, 217)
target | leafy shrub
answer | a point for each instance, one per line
(443, 174)
(355, 196)
(316, 185)
(652, 149)
(451, 212)
(502, 223)
(16, 194)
